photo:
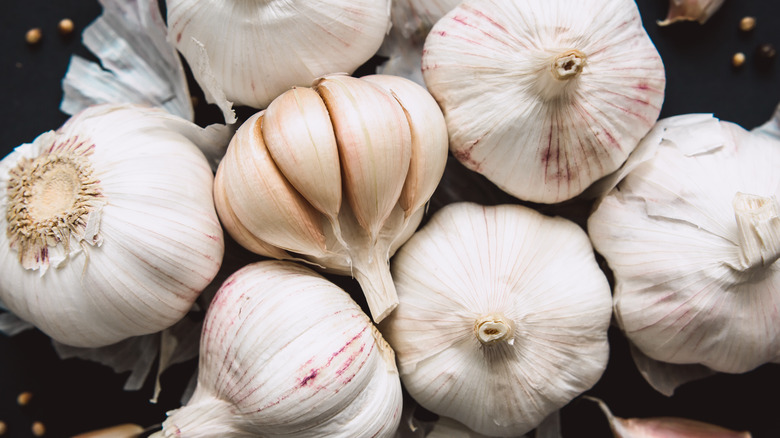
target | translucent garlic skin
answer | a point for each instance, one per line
(544, 97)
(257, 49)
(149, 242)
(286, 353)
(487, 330)
(691, 286)
(691, 10)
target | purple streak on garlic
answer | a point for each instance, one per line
(690, 10)
(285, 352)
(544, 97)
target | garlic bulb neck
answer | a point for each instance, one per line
(494, 328)
(50, 199)
(568, 65)
(758, 224)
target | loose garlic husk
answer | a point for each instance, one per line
(487, 330)
(337, 174)
(285, 352)
(109, 227)
(691, 235)
(249, 52)
(690, 10)
(544, 97)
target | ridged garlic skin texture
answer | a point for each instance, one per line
(286, 353)
(503, 316)
(337, 174)
(257, 49)
(690, 287)
(544, 97)
(137, 239)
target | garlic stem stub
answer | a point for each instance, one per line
(285, 352)
(251, 51)
(691, 236)
(544, 97)
(110, 230)
(337, 174)
(487, 330)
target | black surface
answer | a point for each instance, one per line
(72, 396)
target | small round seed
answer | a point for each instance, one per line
(65, 26)
(23, 399)
(38, 429)
(766, 51)
(3, 427)
(33, 36)
(747, 24)
(738, 59)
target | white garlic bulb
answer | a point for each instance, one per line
(488, 330)
(109, 228)
(544, 97)
(337, 174)
(692, 234)
(690, 10)
(287, 353)
(249, 52)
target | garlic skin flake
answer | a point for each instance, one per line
(690, 10)
(487, 330)
(286, 353)
(544, 97)
(692, 234)
(109, 228)
(337, 174)
(250, 51)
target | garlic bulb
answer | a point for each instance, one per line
(691, 235)
(487, 330)
(285, 352)
(109, 227)
(252, 51)
(690, 10)
(544, 97)
(379, 143)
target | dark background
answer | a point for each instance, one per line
(73, 396)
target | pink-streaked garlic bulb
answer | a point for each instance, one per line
(286, 353)
(544, 97)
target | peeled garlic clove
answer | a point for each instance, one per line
(429, 139)
(690, 10)
(664, 427)
(109, 227)
(487, 330)
(284, 352)
(262, 199)
(374, 144)
(255, 51)
(544, 97)
(691, 236)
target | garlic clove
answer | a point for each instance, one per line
(375, 146)
(690, 10)
(429, 139)
(664, 427)
(266, 204)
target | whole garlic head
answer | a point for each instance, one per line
(488, 331)
(251, 51)
(692, 235)
(109, 228)
(544, 97)
(286, 353)
(337, 174)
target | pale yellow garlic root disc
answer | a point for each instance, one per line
(502, 317)
(544, 97)
(692, 235)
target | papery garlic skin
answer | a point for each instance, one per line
(691, 235)
(488, 331)
(256, 50)
(337, 174)
(285, 352)
(544, 97)
(131, 251)
(690, 10)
